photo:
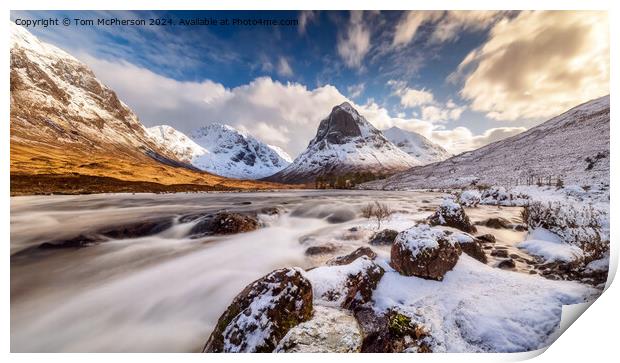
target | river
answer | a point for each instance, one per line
(165, 292)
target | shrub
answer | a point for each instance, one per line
(376, 210)
(578, 225)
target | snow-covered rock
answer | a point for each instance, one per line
(469, 198)
(416, 145)
(330, 330)
(451, 214)
(573, 146)
(223, 150)
(345, 142)
(345, 286)
(261, 315)
(471, 246)
(425, 252)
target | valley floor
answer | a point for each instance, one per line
(154, 283)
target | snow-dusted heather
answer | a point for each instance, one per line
(573, 146)
(469, 198)
(501, 196)
(346, 142)
(478, 308)
(549, 246)
(422, 237)
(223, 150)
(416, 145)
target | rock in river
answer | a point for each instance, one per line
(451, 214)
(261, 315)
(425, 252)
(224, 223)
(345, 286)
(347, 259)
(471, 246)
(384, 238)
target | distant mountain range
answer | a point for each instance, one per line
(223, 150)
(67, 125)
(70, 133)
(345, 142)
(572, 147)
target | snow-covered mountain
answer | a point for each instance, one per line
(56, 99)
(416, 145)
(223, 150)
(345, 142)
(573, 146)
(71, 133)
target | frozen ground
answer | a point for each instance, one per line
(165, 292)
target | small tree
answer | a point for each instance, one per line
(559, 184)
(376, 210)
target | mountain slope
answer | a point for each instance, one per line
(416, 145)
(64, 121)
(223, 150)
(573, 146)
(345, 142)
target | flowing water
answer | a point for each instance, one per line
(165, 292)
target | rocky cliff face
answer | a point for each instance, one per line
(67, 125)
(345, 142)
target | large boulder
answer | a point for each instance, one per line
(424, 252)
(330, 330)
(347, 259)
(471, 246)
(261, 315)
(345, 286)
(451, 214)
(224, 223)
(383, 238)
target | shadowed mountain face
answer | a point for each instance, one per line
(339, 126)
(345, 143)
(64, 121)
(572, 147)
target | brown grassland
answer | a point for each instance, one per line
(48, 169)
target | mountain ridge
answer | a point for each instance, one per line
(572, 147)
(222, 150)
(345, 142)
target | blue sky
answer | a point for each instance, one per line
(403, 68)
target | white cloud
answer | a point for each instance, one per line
(284, 68)
(305, 17)
(409, 24)
(445, 25)
(283, 114)
(413, 97)
(356, 90)
(431, 109)
(353, 46)
(538, 64)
